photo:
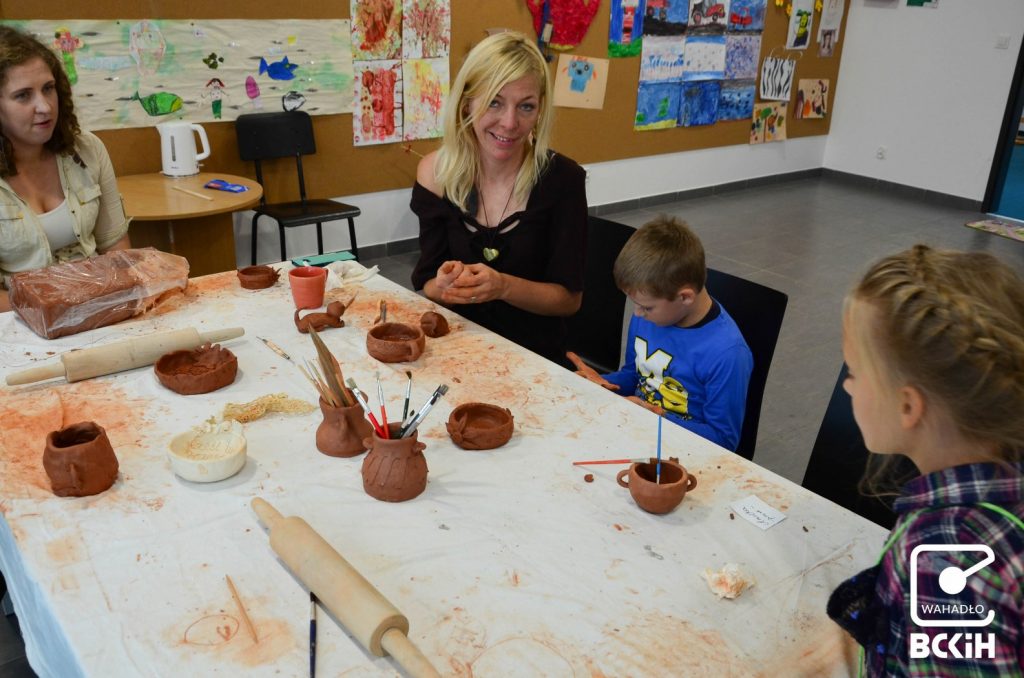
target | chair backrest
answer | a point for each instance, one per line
(595, 332)
(758, 312)
(281, 134)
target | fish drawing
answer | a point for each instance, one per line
(292, 101)
(159, 103)
(252, 90)
(279, 70)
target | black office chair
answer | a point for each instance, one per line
(595, 332)
(266, 136)
(839, 458)
(758, 312)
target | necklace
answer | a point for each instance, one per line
(490, 252)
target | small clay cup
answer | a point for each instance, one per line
(79, 460)
(343, 430)
(308, 285)
(199, 370)
(434, 324)
(480, 426)
(394, 470)
(653, 497)
(395, 342)
(257, 277)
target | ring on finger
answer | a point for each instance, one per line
(472, 300)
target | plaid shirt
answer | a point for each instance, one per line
(943, 508)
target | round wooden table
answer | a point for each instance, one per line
(198, 229)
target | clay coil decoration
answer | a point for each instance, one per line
(395, 342)
(79, 460)
(434, 324)
(480, 426)
(395, 469)
(257, 277)
(343, 431)
(200, 370)
(657, 497)
(321, 321)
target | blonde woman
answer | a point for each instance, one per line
(503, 219)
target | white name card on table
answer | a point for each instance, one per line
(757, 512)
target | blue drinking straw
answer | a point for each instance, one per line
(657, 470)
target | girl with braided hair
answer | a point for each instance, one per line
(934, 341)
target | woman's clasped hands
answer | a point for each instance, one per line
(461, 283)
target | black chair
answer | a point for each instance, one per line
(758, 312)
(595, 332)
(266, 136)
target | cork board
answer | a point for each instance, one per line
(339, 169)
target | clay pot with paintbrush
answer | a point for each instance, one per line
(651, 495)
(395, 469)
(343, 430)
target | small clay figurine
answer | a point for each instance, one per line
(434, 324)
(321, 321)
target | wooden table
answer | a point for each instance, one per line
(200, 230)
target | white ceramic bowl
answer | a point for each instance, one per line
(208, 453)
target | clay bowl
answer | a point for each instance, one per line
(79, 460)
(395, 342)
(208, 454)
(434, 324)
(480, 426)
(657, 497)
(257, 277)
(198, 370)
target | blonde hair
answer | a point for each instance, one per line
(952, 325)
(661, 258)
(492, 64)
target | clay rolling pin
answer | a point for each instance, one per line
(86, 363)
(375, 622)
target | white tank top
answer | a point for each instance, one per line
(59, 227)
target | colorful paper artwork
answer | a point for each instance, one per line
(657, 105)
(568, 21)
(376, 29)
(426, 29)
(662, 59)
(777, 78)
(580, 81)
(746, 15)
(666, 17)
(700, 103)
(141, 72)
(377, 113)
(828, 28)
(712, 14)
(704, 57)
(742, 53)
(625, 28)
(424, 90)
(811, 98)
(736, 101)
(800, 24)
(768, 123)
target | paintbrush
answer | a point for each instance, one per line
(312, 634)
(361, 399)
(657, 472)
(331, 369)
(410, 428)
(383, 410)
(325, 392)
(408, 395)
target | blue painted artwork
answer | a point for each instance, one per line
(581, 72)
(742, 53)
(666, 17)
(746, 15)
(704, 57)
(279, 70)
(736, 101)
(700, 103)
(657, 105)
(626, 28)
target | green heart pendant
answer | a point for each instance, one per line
(490, 254)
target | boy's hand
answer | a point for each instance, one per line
(589, 373)
(657, 409)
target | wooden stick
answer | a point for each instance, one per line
(192, 193)
(241, 608)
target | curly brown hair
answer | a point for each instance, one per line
(17, 48)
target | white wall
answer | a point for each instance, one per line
(930, 86)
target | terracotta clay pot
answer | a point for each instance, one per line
(479, 426)
(199, 370)
(395, 469)
(434, 325)
(395, 342)
(257, 277)
(654, 497)
(343, 430)
(79, 460)
(308, 284)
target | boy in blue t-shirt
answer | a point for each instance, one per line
(685, 357)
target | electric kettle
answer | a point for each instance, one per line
(178, 148)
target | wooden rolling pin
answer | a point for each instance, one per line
(367, 614)
(86, 363)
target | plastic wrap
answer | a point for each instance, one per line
(90, 293)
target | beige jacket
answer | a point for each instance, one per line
(96, 209)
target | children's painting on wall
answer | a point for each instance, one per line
(426, 28)
(768, 123)
(777, 78)
(746, 15)
(828, 27)
(700, 103)
(709, 14)
(811, 98)
(424, 89)
(662, 59)
(657, 105)
(742, 52)
(376, 29)
(377, 114)
(580, 81)
(704, 57)
(625, 28)
(666, 17)
(736, 101)
(800, 24)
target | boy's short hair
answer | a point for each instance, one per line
(662, 257)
